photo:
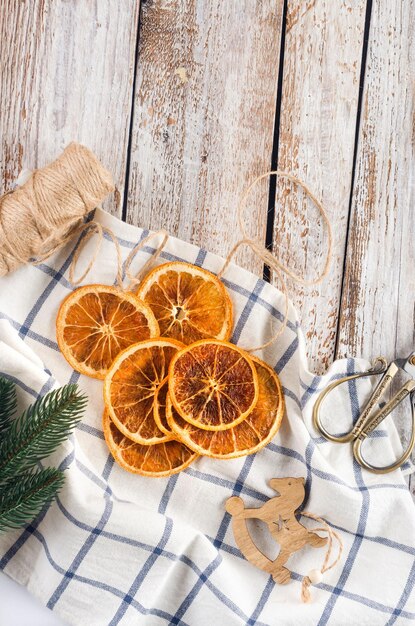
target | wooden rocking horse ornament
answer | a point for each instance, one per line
(279, 514)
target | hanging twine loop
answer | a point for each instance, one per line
(95, 228)
(269, 258)
(136, 280)
(315, 576)
(92, 228)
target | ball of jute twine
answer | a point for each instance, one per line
(40, 216)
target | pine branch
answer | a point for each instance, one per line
(40, 430)
(8, 403)
(21, 500)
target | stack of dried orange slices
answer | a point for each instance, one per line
(174, 386)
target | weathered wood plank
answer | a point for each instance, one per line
(322, 60)
(204, 117)
(66, 74)
(378, 306)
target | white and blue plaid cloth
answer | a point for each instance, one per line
(122, 549)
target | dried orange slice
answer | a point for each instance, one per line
(213, 384)
(249, 436)
(131, 384)
(160, 408)
(188, 302)
(96, 322)
(158, 460)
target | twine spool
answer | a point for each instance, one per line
(38, 217)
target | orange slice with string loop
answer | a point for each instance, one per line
(131, 385)
(157, 460)
(188, 302)
(96, 322)
(255, 432)
(213, 384)
(160, 408)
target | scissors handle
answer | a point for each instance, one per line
(376, 419)
(350, 436)
(363, 423)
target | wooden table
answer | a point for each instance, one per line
(187, 101)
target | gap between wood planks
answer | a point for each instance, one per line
(366, 35)
(130, 130)
(269, 236)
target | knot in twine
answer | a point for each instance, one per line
(40, 216)
(315, 576)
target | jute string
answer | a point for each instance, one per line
(257, 247)
(48, 210)
(326, 566)
(269, 258)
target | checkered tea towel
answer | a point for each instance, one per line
(122, 549)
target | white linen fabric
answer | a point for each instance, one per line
(122, 549)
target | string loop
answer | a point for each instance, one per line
(136, 280)
(269, 258)
(309, 579)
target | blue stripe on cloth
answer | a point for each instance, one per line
(25, 331)
(135, 586)
(89, 541)
(100, 585)
(69, 574)
(290, 394)
(263, 303)
(410, 583)
(244, 316)
(237, 488)
(91, 430)
(201, 256)
(177, 618)
(171, 483)
(261, 603)
(326, 587)
(384, 541)
(364, 511)
(287, 356)
(165, 553)
(56, 278)
(46, 269)
(355, 597)
(22, 385)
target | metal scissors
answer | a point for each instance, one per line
(369, 418)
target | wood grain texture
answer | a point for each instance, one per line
(204, 117)
(377, 312)
(323, 49)
(66, 74)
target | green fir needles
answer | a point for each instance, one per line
(26, 440)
